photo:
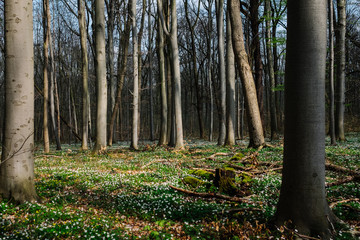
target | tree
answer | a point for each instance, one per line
(331, 73)
(85, 73)
(302, 195)
(164, 101)
(258, 66)
(175, 62)
(219, 6)
(253, 113)
(192, 24)
(45, 76)
(100, 69)
(17, 159)
(270, 59)
(230, 87)
(135, 117)
(340, 71)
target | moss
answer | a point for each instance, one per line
(227, 185)
(193, 181)
(229, 169)
(245, 178)
(238, 156)
(203, 174)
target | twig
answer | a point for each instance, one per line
(211, 195)
(344, 201)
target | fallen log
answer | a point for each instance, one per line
(212, 195)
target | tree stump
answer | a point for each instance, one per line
(225, 181)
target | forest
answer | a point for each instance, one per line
(187, 119)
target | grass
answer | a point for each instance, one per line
(125, 194)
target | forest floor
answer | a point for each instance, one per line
(127, 194)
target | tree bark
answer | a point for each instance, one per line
(85, 75)
(219, 6)
(302, 195)
(255, 125)
(17, 159)
(230, 87)
(100, 69)
(340, 71)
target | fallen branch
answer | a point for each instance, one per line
(341, 181)
(335, 168)
(211, 195)
(212, 157)
(344, 201)
(246, 158)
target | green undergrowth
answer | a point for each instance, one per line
(126, 194)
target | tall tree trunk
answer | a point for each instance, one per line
(135, 117)
(17, 158)
(164, 101)
(302, 196)
(191, 25)
(152, 137)
(331, 73)
(85, 74)
(46, 79)
(110, 7)
(230, 86)
(340, 71)
(175, 62)
(254, 19)
(255, 125)
(100, 69)
(52, 80)
(209, 70)
(219, 6)
(269, 54)
(122, 63)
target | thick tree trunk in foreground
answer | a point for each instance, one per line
(255, 125)
(17, 160)
(302, 196)
(84, 69)
(100, 144)
(340, 71)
